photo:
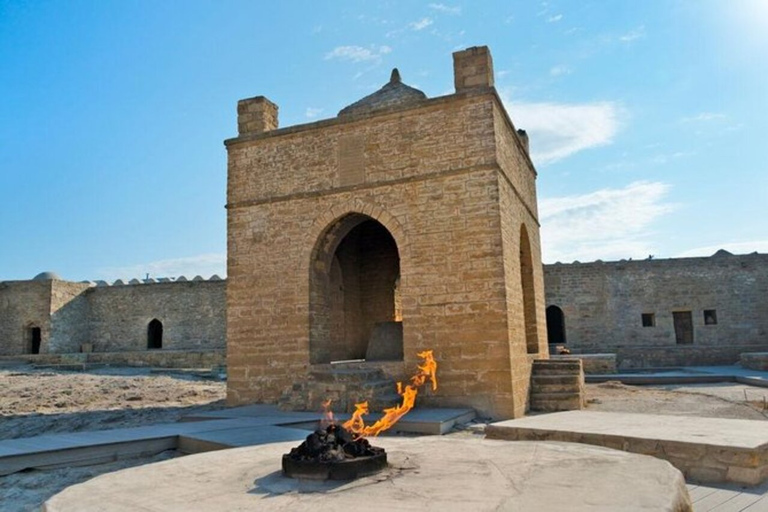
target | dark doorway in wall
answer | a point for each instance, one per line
(555, 326)
(683, 327)
(155, 335)
(355, 305)
(35, 337)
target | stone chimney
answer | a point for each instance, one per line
(523, 136)
(472, 68)
(256, 115)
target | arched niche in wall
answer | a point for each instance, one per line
(354, 293)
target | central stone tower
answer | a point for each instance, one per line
(405, 223)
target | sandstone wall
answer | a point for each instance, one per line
(603, 303)
(193, 315)
(429, 175)
(518, 208)
(23, 304)
(69, 316)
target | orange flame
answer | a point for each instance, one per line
(427, 371)
(327, 418)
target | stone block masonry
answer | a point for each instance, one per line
(54, 316)
(666, 312)
(449, 185)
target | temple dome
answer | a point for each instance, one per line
(47, 276)
(394, 94)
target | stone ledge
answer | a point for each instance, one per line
(708, 450)
(754, 360)
(592, 363)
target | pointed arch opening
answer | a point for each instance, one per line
(529, 295)
(555, 326)
(155, 335)
(355, 307)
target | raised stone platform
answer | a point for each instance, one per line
(705, 449)
(754, 360)
(443, 474)
(602, 364)
(214, 430)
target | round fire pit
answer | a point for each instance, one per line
(347, 469)
(333, 453)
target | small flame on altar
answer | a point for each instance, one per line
(327, 419)
(427, 372)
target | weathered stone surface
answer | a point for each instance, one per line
(602, 304)
(704, 449)
(754, 360)
(110, 318)
(450, 185)
(425, 474)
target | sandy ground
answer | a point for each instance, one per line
(35, 402)
(725, 400)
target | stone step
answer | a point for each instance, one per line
(562, 380)
(560, 364)
(549, 402)
(540, 389)
(347, 375)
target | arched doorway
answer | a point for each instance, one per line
(354, 293)
(155, 335)
(34, 339)
(555, 326)
(529, 296)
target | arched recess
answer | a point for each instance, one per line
(155, 334)
(529, 295)
(353, 292)
(555, 326)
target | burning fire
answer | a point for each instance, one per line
(327, 418)
(356, 424)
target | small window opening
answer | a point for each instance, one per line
(649, 319)
(710, 317)
(155, 335)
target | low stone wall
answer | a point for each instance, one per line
(691, 355)
(593, 364)
(754, 360)
(150, 358)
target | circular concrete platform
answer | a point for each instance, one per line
(428, 473)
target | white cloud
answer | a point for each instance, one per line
(358, 53)
(608, 223)
(634, 34)
(421, 24)
(760, 246)
(703, 117)
(559, 70)
(312, 112)
(555, 18)
(664, 158)
(446, 9)
(558, 130)
(203, 264)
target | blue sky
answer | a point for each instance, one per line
(647, 119)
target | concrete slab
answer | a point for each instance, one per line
(430, 421)
(685, 375)
(236, 438)
(705, 449)
(221, 429)
(424, 474)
